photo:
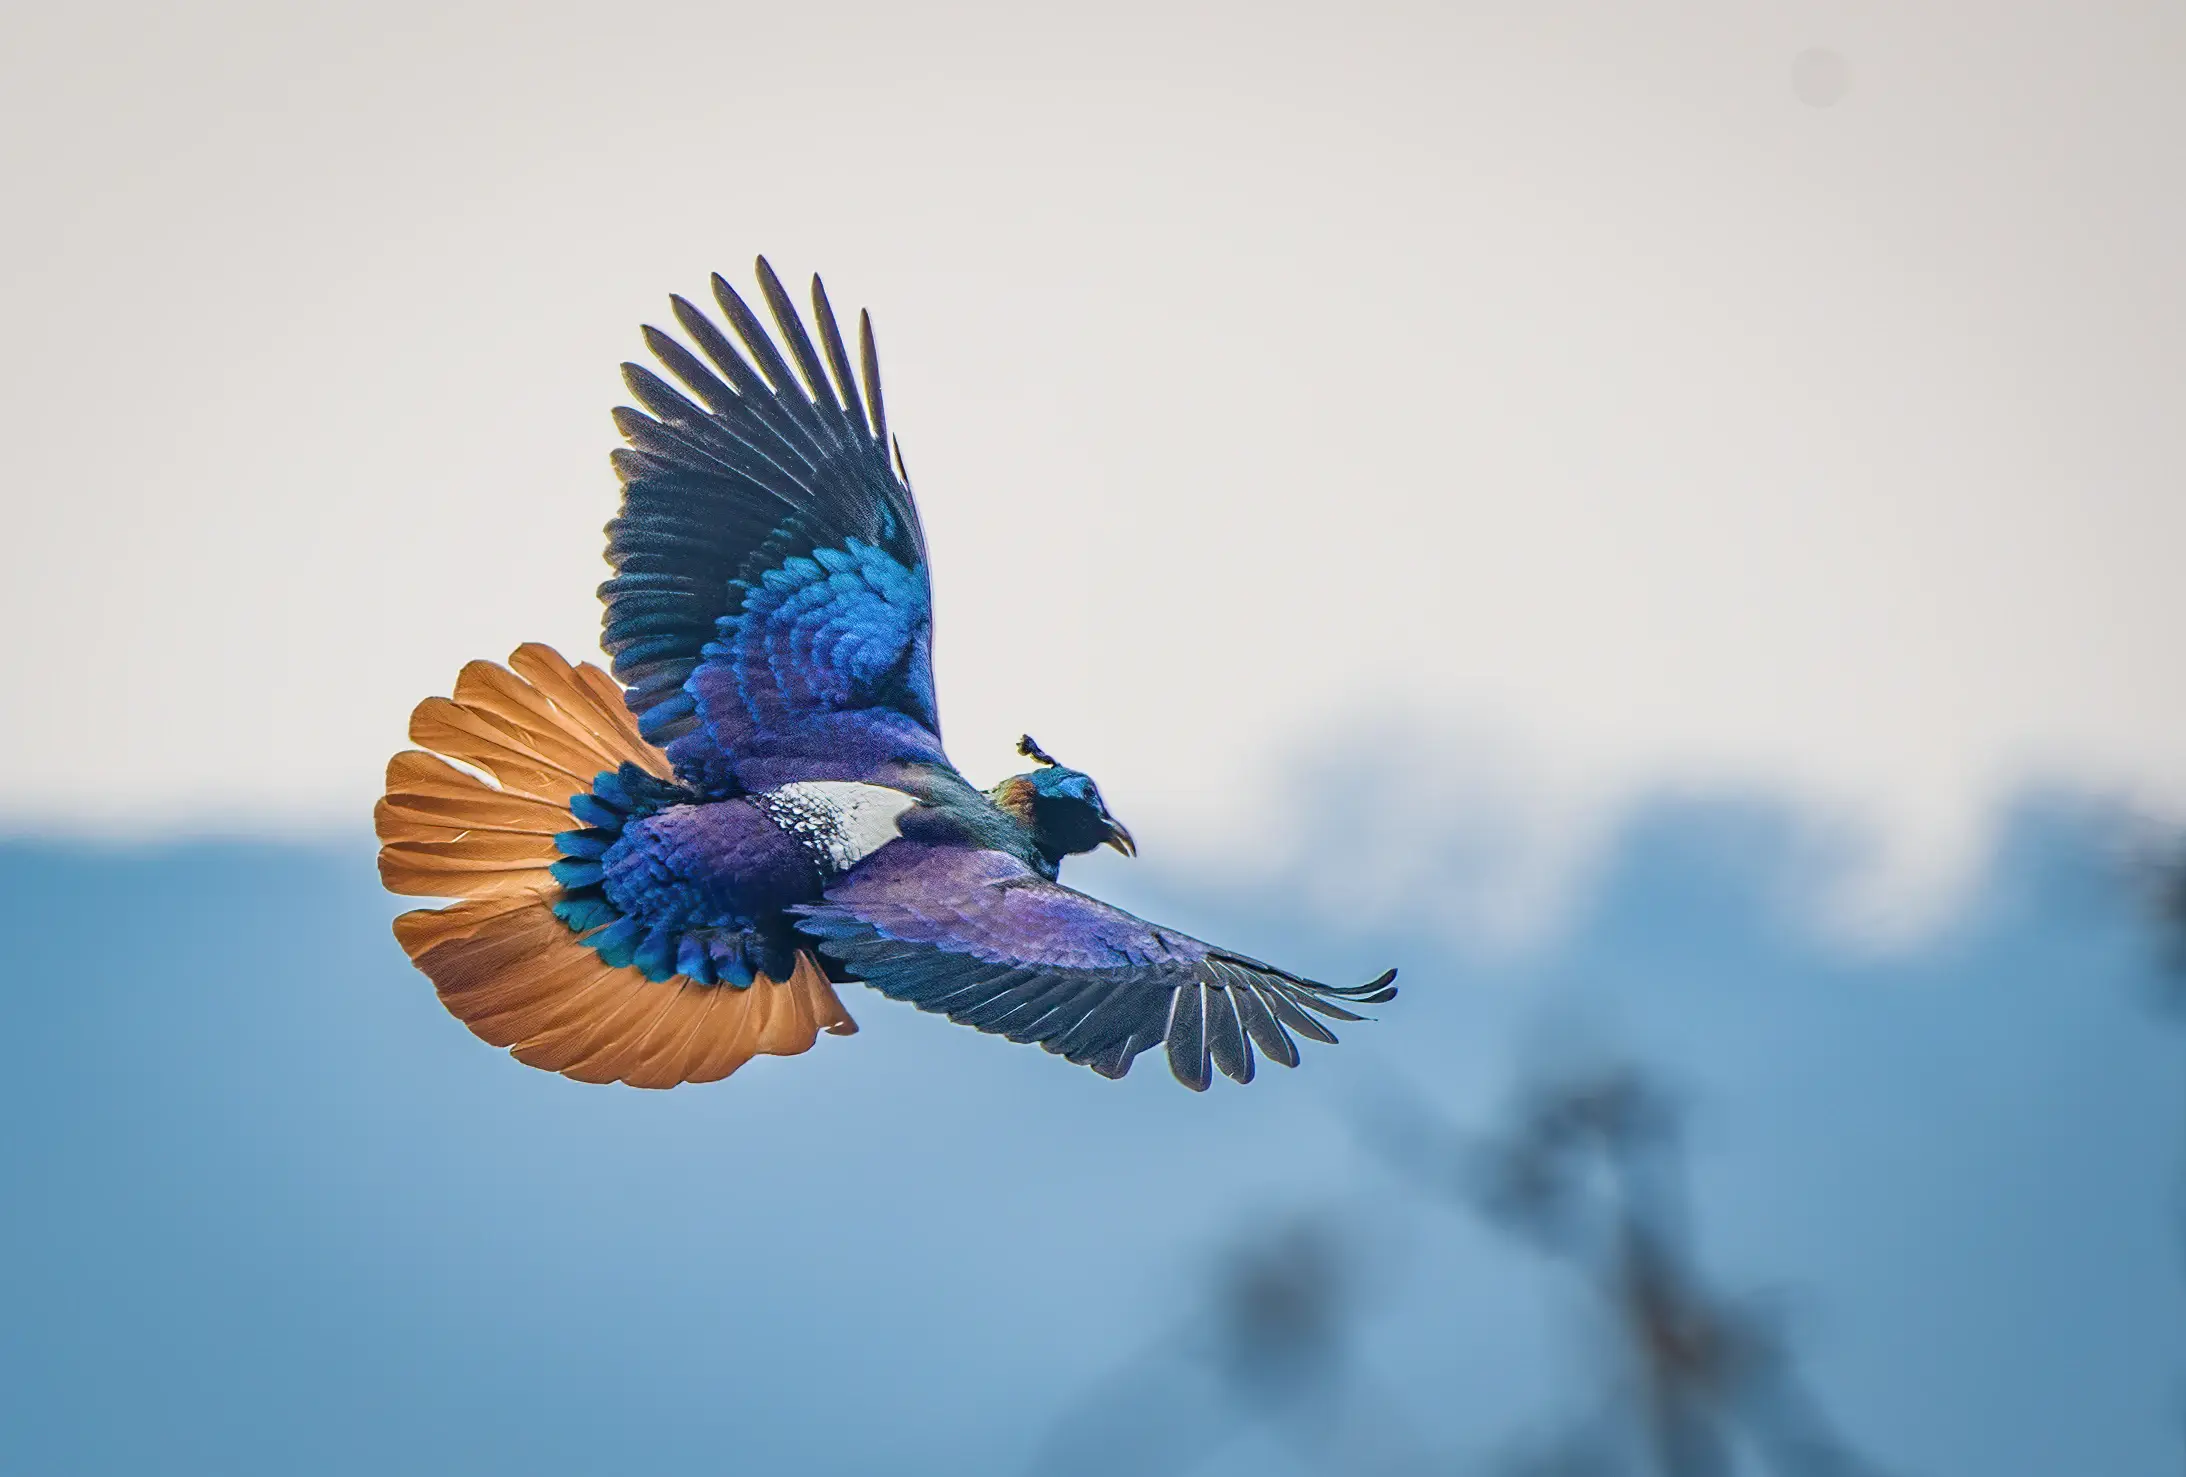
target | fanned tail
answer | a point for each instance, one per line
(503, 963)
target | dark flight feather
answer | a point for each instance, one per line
(838, 359)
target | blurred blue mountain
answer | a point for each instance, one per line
(270, 1210)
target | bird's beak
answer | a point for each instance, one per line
(1119, 838)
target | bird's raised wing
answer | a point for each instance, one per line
(769, 612)
(983, 939)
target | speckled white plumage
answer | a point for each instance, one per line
(840, 822)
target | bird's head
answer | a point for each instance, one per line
(1062, 807)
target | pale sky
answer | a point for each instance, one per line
(1574, 402)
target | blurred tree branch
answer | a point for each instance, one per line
(1589, 1169)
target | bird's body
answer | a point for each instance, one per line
(670, 869)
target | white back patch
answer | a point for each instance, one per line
(841, 822)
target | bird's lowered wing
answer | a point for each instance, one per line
(769, 611)
(986, 941)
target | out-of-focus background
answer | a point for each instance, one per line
(1658, 520)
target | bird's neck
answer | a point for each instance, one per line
(1016, 798)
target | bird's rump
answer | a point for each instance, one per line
(982, 938)
(533, 735)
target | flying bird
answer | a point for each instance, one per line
(662, 873)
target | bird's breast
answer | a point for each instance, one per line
(839, 823)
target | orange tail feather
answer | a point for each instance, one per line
(503, 964)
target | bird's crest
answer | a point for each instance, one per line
(1030, 748)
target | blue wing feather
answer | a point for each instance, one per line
(824, 672)
(769, 613)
